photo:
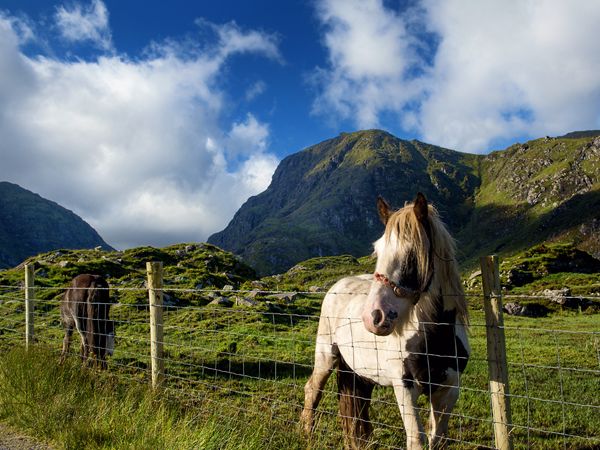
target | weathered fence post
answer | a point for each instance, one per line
(155, 295)
(496, 351)
(29, 303)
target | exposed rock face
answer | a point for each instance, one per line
(30, 224)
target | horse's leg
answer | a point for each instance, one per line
(406, 396)
(354, 400)
(83, 352)
(325, 360)
(66, 343)
(442, 402)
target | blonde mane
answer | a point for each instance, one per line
(404, 227)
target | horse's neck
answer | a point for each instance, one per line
(435, 308)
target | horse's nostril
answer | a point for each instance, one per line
(392, 315)
(377, 316)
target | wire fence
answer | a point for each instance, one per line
(232, 352)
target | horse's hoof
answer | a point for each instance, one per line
(306, 421)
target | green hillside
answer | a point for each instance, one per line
(321, 200)
(30, 224)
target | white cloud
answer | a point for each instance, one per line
(370, 54)
(81, 23)
(255, 90)
(247, 138)
(233, 40)
(137, 148)
(501, 69)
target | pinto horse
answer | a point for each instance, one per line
(404, 327)
(85, 307)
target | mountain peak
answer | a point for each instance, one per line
(30, 224)
(321, 199)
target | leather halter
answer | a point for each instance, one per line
(404, 292)
(399, 291)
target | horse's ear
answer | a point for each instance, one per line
(383, 209)
(420, 207)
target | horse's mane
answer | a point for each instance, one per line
(403, 226)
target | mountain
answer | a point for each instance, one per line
(321, 200)
(30, 224)
(546, 189)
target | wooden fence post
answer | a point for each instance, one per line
(496, 351)
(155, 295)
(29, 303)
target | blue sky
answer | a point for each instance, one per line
(155, 121)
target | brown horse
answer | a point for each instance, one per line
(85, 307)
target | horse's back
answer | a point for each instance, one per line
(342, 293)
(84, 288)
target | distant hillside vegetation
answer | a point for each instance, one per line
(30, 224)
(321, 200)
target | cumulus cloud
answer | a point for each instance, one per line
(80, 23)
(370, 55)
(137, 148)
(499, 69)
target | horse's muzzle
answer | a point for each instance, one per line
(380, 324)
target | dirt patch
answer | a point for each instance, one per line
(11, 439)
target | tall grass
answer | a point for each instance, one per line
(75, 408)
(235, 378)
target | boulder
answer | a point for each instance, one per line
(245, 301)
(286, 297)
(560, 296)
(222, 301)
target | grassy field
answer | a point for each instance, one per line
(235, 372)
(235, 378)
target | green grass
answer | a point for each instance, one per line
(235, 375)
(238, 374)
(74, 408)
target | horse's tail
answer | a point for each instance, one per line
(354, 393)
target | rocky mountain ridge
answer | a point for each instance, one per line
(321, 199)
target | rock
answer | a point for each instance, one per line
(245, 301)
(258, 284)
(222, 301)
(255, 293)
(529, 310)
(227, 288)
(64, 264)
(286, 297)
(514, 309)
(314, 289)
(559, 296)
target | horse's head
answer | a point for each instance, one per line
(404, 266)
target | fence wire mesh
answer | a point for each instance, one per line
(243, 355)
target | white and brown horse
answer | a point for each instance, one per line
(404, 327)
(85, 307)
